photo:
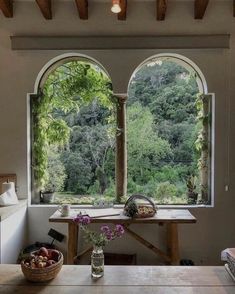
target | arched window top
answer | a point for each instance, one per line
(169, 131)
(73, 132)
(54, 63)
(181, 60)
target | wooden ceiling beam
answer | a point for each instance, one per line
(82, 7)
(200, 8)
(234, 8)
(7, 7)
(161, 9)
(45, 7)
(122, 15)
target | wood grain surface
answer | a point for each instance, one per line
(125, 279)
(162, 215)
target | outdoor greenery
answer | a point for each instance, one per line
(74, 134)
(162, 111)
(71, 117)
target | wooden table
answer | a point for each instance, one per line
(123, 279)
(170, 217)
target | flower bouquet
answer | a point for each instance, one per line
(98, 240)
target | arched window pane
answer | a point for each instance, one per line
(74, 134)
(164, 130)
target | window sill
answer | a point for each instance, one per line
(122, 205)
(7, 211)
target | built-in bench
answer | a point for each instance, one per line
(13, 230)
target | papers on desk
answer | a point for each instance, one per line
(226, 252)
(95, 213)
(229, 256)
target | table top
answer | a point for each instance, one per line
(125, 279)
(162, 215)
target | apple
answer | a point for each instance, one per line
(55, 255)
(50, 262)
(40, 264)
(43, 251)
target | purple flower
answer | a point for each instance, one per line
(82, 219)
(119, 230)
(105, 229)
(109, 236)
(107, 232)
(77, 219)
(99, 239)
(86, 220)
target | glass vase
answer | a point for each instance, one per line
(97, 262)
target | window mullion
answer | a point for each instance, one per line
(121, 147)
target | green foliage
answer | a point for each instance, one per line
(145, 147)
(78, 170)
(69, 87)
(191, 184)
(74, 133)
(165, 190)
(56, 172)
(166, 95)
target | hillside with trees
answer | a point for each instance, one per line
(74, 133)
(166, 93)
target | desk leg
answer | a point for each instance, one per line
(173, 243)
(72, 242)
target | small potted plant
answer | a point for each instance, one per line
(47, 194)
(192, 194)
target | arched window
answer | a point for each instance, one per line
(78, 133)
(73, 133)
(169, 131)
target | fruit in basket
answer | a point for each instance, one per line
(54, 255)
(43, 251)
(145, 210)
(50, 262)
(42, 258)
(41, 265)
(139, 206)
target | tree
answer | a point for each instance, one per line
(79, 172)
(145, 147)
(70, 86)
(169, 92)
(56, 172)
(95, 143)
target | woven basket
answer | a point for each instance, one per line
(42, 274)
(147, 205)
(231, 264)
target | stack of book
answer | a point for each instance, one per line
(228, 255)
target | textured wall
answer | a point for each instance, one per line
(18, 71)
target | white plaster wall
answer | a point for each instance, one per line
(13, 236)
(39, 227)
(215, 229)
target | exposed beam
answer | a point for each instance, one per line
(161, 9)
(127, 42)
(45, 7)
(7, 7)
(82, 7)
(122, 14)
(234, 8)
(200, 8)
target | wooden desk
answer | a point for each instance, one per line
(123, 279)
(170, 217)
